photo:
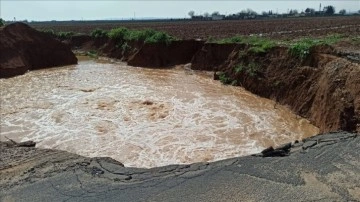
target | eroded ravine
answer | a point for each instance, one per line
(142, 117)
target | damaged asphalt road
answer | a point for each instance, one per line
(322, 168)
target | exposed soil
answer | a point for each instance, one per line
(284, 28)
(163, 55)
(323, 88)
(23, 48)
(211, 55)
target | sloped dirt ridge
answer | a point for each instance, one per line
(24, 48)
(324, 88)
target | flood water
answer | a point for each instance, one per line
(142, 117)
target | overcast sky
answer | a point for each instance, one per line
(98, 10)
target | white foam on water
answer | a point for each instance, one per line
(142, 117)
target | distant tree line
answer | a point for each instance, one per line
(249, 13)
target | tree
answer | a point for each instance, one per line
(191, 13)
(342, 12)
(206, 14)
(293, 12)
(309, 10)
(2, 22)
(215, 13)
(329, 10)
(251, 12)
(264, 13)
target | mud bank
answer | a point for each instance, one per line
(323, 87)
(23, 48)
(323, 167)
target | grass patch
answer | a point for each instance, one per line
(235, 39)
(258, 44)
(301, 48)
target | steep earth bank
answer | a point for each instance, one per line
(323, 87)
(320, 168)
(23, 48)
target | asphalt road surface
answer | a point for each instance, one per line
(321, 168)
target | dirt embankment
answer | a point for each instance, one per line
(323, 87)
(162, 55)
(23, 48)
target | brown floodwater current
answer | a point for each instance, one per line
(142, 117)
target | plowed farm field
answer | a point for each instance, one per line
(280, 28)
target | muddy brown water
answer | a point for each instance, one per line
(142, 117)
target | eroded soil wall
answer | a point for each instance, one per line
(24, 48)
(323, 88)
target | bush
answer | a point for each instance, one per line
(147, 36)
(49, 32)
(99, 33)
(238, 68)
(118, 34)
(223, 78)
(159, 37)
(140, 35)
(64, 35)
(251, 69)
